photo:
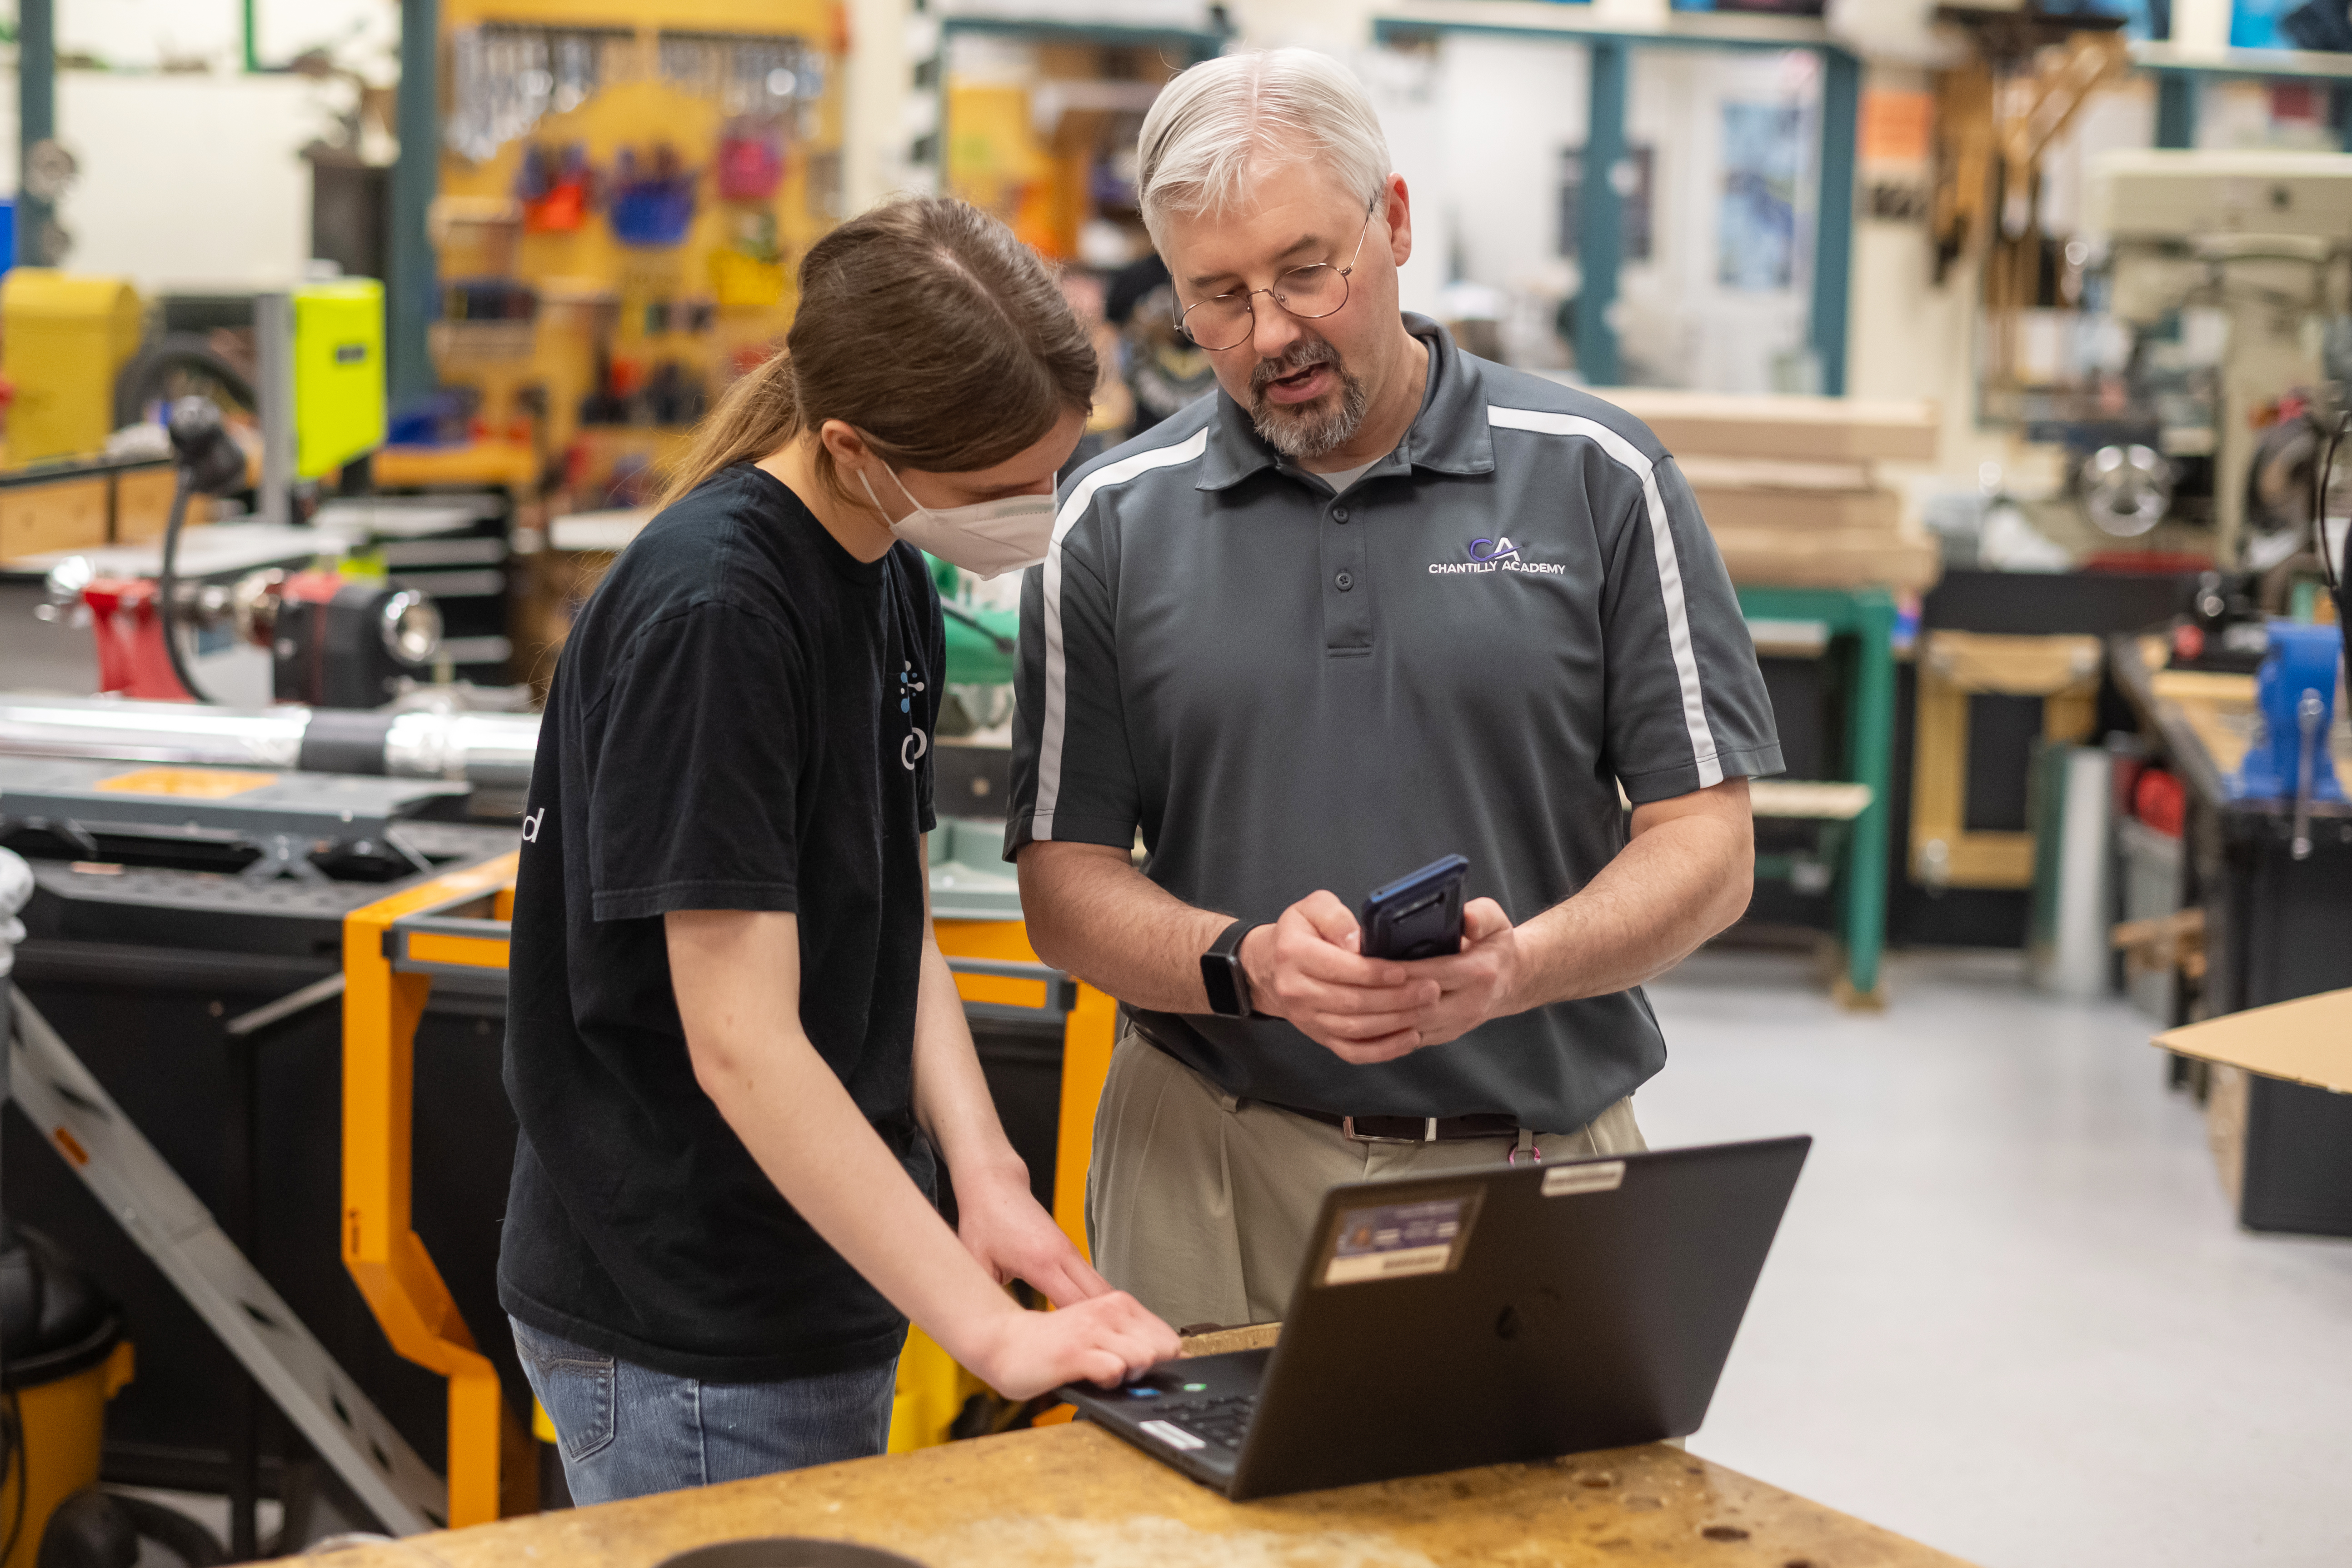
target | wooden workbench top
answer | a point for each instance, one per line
(1075, 1497)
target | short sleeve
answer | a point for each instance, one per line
(1073, 778)
(695, 770)
(1686, 705)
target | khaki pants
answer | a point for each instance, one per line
(1199, 1204)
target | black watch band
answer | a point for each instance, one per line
(1221, 974)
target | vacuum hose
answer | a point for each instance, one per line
(210, 463)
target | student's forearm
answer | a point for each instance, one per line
(737, 982)
(808, 1135)
(952, 1098)
(1091, 912)
(1668, 891)
(735, 974)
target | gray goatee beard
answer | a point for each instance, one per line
(1311, 430)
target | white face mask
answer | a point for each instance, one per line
(987, 539)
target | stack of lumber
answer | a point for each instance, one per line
(1788, 485)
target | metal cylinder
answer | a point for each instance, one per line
(2067, 949)
(489, 749)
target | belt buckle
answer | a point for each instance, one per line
(1348, 1130)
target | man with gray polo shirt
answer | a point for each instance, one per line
(1373, 601)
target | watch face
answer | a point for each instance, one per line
(1222, 977)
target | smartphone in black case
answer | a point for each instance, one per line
(1419, 916)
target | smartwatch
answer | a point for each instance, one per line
(1221, 974)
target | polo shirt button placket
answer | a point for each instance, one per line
(1344, 581)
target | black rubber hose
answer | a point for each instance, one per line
(957, 612)
(186, 1539)
(2337, 571)
(167, 587)
(143, 376)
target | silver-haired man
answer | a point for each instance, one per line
(1373, 601)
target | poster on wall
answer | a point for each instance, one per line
(2288, 25)
(1635, 218)
(1756, 224)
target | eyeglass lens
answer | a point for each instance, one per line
(1307, 292)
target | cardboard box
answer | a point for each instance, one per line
(2307, 1040)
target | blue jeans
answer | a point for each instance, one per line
(627, 1431)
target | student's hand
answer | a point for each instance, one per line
(1000, 1222)
(1476, 984)
(1306, 967)
(1103, 1341)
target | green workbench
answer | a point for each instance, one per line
(1859, 627)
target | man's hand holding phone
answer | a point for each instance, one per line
(1311, 966)
(1307, 967)
(1476, 984)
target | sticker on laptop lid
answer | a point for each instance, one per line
(1594, 1176)
(1175, 1436)
(1396, 1241)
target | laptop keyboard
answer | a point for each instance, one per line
(1219, 1421)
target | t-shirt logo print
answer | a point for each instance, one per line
(912, 749)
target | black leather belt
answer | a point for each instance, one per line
(1413, 1129)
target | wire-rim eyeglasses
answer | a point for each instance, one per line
(1305, 285)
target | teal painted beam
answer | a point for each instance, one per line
(36, 118)
(2176, 109)
(411, 293)
(1601, 218)
(1833, 223)
(1791, 35)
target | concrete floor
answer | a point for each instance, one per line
(2009, 1313)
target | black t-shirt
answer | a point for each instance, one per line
(741, 720)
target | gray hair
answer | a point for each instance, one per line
(1290, 105)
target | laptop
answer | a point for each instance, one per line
(1478, 1318)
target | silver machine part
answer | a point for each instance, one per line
(411, 627)
(2067, 949)
(484, 749)
(2126, 490)
(273, 334)
(2308, 713)
(108, 729)
(494, 749)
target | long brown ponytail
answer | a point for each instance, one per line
(929, 327)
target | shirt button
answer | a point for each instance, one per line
(1338, 515)
(1345, 581)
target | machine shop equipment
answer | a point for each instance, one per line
(2228, 270)
(193, 870)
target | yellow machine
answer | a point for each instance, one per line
(338, 397)
(65, 339)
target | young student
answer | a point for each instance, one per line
(733, 1044)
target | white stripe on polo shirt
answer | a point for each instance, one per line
(1049, 731)
(1670, 569)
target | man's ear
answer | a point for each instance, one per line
(1399, 216)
